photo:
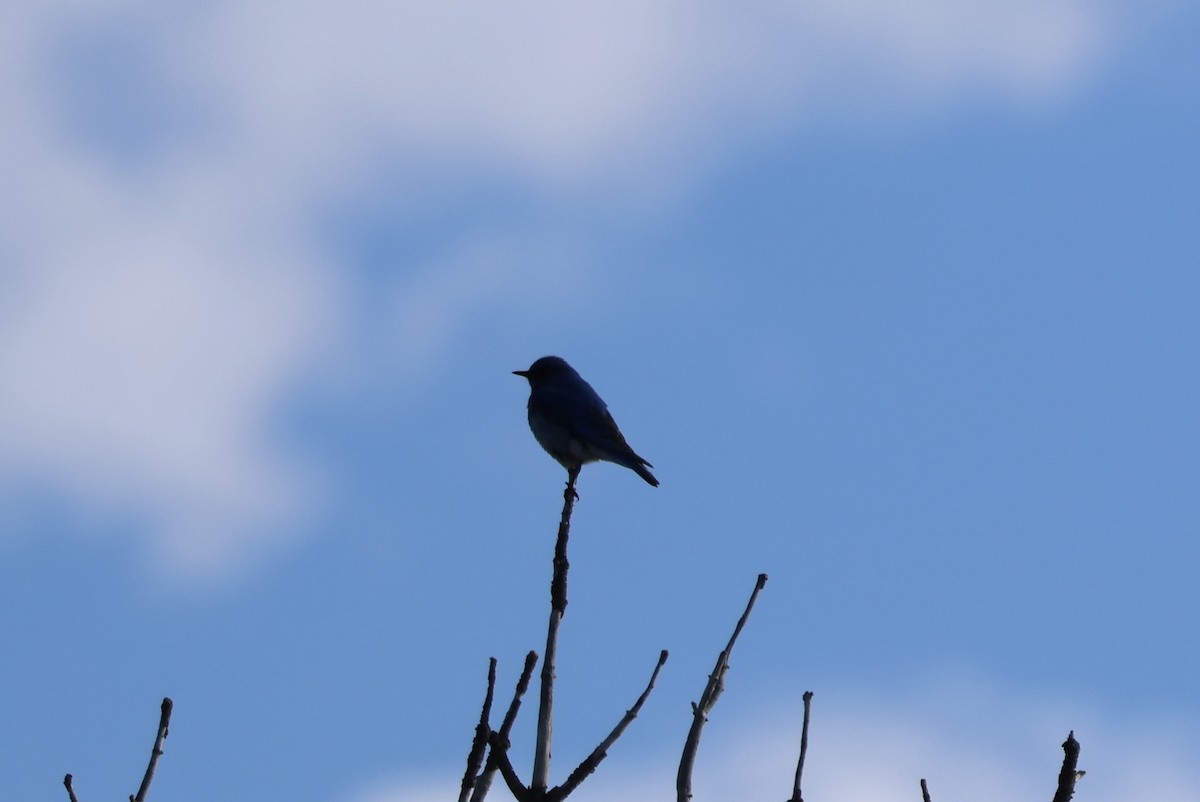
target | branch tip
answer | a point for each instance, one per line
(164, 725)
(67, 781)
(1069, 772)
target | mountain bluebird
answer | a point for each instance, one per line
(571, 421)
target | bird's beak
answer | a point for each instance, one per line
(522, 373)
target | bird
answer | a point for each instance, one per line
(570, 420)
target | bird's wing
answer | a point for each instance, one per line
(579, 410)
(604, 429)
(582, 413)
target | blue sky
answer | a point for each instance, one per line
(903, 303)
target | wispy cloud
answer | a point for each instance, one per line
(163, 163)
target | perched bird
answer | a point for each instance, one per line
(571, 421)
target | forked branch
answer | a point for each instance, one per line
(498, 741)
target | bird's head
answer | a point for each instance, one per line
(548, 368)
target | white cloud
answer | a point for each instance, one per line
(968, 741)
(156, 304)
(560, 94)
(141, 360)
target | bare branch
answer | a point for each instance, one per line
(558, 606)
(712, 691)
(558, 586)
(522, 685)
(164, 721)
(1069, 773)
(482, 730)
(489, 771)
(925, 791)
(600, 752)
(70, 788)
(796, 795)
(499, 753)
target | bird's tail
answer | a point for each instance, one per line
(645, 474)
(628, 458)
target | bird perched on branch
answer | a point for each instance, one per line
(572, 422)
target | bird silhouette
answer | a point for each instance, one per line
(572, 422)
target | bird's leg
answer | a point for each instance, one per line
(571, 494)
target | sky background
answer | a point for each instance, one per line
(901, 300)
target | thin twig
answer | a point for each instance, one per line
(558, 606)
(482, 730)
(600, 752)
(712, 691)
(70, 788)
(925, 791)
(1069, 773)
(164, 721)
(796, 795)
(501, 736)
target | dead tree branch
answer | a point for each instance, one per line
(600, 752)
(164, 722)
(482, 730)
(558, 606)
(796, 795)
(499, 754)
(708, 699)
(1069, 772)
(501, 736)
(70, 788)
